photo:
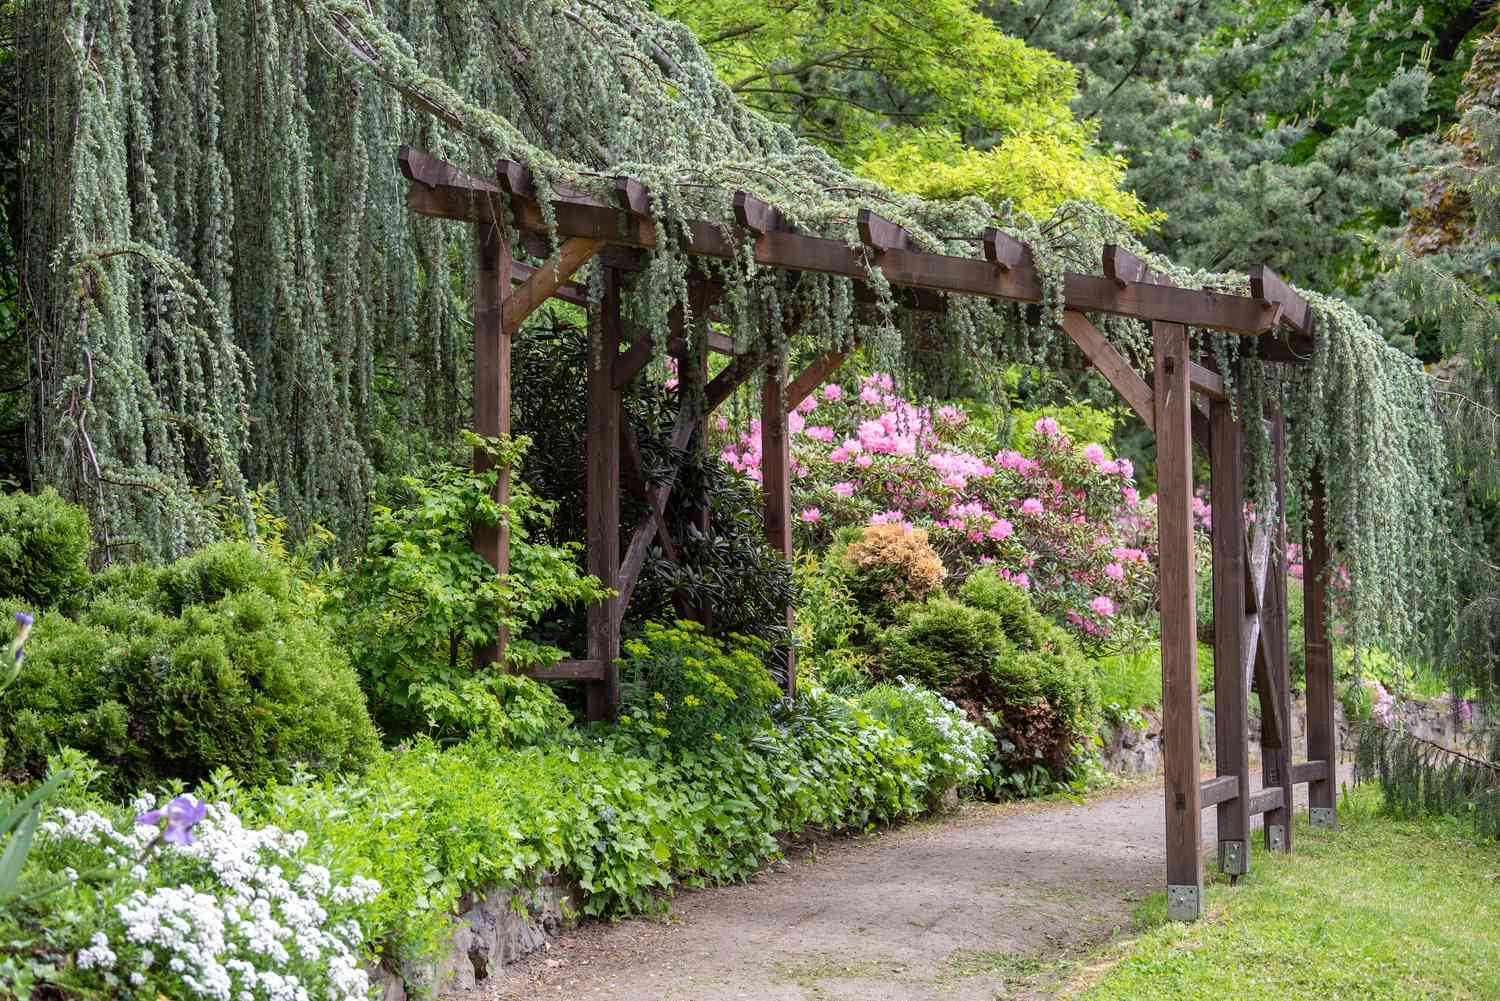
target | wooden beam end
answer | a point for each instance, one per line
(1005, 251)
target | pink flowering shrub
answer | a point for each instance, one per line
(1061, 522)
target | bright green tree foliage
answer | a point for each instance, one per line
(928, 97)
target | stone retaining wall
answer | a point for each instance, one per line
(494, 926)
(1136, 751)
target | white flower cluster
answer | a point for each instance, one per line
(251, 923)
(969, 745)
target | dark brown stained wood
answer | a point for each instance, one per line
(628, 365)
(1219, 792)
(602, 495)
(1273, 731)
(733, 376)
(721, 343)
(1231, 695)
(1178, 587)
(1255, 569)
(755, 215)
(645, 532)
(568, 291)
(1202, 437)
(632, 195)
(1276, 762)
(1210, 384)
(1267, 801)
(634, 475)
(997, 277)
(1322, 733)
(1295, 349)
(1122, 267)
(1004, 251)
(491, 395)
(776, 479)
(880, 234)
(1311, 771)
(545, 281)
(570, 670)
(813, 376)
(1267, 286)
(1103, 356)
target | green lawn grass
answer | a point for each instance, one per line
(1379, 909)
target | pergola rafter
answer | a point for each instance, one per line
(1182, 399)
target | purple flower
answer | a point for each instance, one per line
(182, 813)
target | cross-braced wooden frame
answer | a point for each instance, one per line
(1184, 403)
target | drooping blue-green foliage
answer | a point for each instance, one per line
(228, 287)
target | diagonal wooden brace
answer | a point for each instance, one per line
(546, 280)
(1103, 356)
(811, 377)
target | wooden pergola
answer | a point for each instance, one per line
(1184, 403)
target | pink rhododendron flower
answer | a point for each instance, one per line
(808, 405)
(811, 515)
(1031, 505)
(1132, 496)
(833, 391)
(1102, 606)
(844, 489)
(871, 396)
(1001, 529)
(1047, 426)
(1094, 453)
(1125, 467)
(1114, 571)
(818, 432)
(864, 462)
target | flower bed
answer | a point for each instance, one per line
(1062, 521)
(288, 891)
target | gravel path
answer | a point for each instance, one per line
(977, 904)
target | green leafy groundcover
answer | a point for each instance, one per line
(621, 812)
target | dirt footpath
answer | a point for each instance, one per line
(975, 905)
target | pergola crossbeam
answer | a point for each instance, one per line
(439, 189)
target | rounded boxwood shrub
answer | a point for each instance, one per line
(1004, 663)
(170, 673)
(44, 549)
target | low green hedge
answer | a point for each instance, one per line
(1003, 662)
(170, 672)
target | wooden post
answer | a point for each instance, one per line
(1231, 693)
(1276, 761)
(1322, 732)
(1179, 650)
(491, 394)
(776, 479)
(602, 495)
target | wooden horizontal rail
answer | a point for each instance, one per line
(1311, 771)
(570, 670)
(439, 189)
(1266, 800)
(1220, 790)
(1210, 384)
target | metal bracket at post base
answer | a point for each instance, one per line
(1184, 902)
(1323, 816)
(1276, 837)
(1234, 857)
